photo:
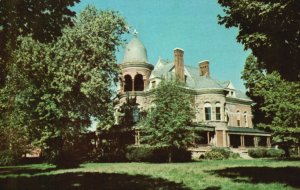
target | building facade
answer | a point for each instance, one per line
(222, 113)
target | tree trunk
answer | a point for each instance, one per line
(170, 156)
(287, 151)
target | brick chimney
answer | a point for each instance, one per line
(179, 64)
(204, 68)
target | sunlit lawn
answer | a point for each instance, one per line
(226, 174)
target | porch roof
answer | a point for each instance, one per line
(246, 130)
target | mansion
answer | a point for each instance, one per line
(222, 113)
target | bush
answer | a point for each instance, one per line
(224, 151)
(265, 153)
(8, 157)
(275, 153)
(234, 155)
(257, 152)
(147, 153)
(212, 155)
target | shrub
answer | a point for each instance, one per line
(274, 153)
(257, 152)
(148, 153)
(8, 157)
(181, 155)
(213, 155)
(224, 151)
(265, 153)
(234, 155)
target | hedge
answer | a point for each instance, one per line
(265, 153)
(146, 153)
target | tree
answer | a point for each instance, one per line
(277, 104)
(44, 19)
(270, 28)
(62, 84)
(167, 121)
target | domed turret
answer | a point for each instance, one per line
(135, 67)
(135, 55)
(135, 52)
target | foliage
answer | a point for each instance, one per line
(43, 19)
(277, 108)
(62, 84)
(224, 151)
(166, 122)
(9, 157)
(213, 155)
(270, 29)
(218, 153)
(146, 153)
(265, 152)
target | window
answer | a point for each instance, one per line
(138, 83)
(207, 109)
(246, 119)
(238, 118)
(128, 83)
(218, 111)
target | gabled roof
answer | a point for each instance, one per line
(165, 68)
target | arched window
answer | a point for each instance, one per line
(238, 118)
(128, 83)
(246, 119)
(218, 111)
(207, 110)
(138, 82)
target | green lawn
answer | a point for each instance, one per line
(225, 174)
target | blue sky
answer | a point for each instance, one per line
(192, 25)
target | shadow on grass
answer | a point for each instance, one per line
(285, 175)
(90, 181)
(23, 170)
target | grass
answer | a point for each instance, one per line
(209, 175)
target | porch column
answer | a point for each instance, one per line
(224, 139)
(268, 142)
(208, 137)
(228, 140)
(242, 141)
(133, 85)
(255, 141)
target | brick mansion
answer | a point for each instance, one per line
(222, 113)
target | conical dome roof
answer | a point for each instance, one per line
(135, 52)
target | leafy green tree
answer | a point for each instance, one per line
(44, 19)
(277, 104)
(270, 28)
(62, 84)
(167, 121)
